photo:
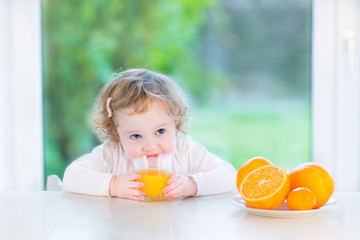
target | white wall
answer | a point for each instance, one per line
(21, 144)
(336, 90)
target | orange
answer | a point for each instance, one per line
(249, 166)
(314, 177)
(265, 187)
(301, 199)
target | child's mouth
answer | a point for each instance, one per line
(151, 156)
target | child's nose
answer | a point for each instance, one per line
(149, 145)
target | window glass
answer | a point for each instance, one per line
(244, 64)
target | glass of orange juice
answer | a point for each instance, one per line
(154, 171)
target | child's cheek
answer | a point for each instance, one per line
(169, 150)
(133, 155)
(132, 152)
(169, 147)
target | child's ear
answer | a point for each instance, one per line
(117, 136)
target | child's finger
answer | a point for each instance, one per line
(135, 192)
(174, 193)
(133, 177)
(172, 179)
(178, 182)
(136, 184)
(135, 198)
(170, 183)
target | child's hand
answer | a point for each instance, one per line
(126, 186)
(180, 186)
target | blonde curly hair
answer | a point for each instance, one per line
(137, 88)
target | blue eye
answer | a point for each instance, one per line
(135, 136)
(160, 131)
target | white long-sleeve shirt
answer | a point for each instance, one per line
(91, 173)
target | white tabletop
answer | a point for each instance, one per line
(62, 215)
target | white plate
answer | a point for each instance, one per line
(282, 211)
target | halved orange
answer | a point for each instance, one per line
(265, 187)
(249, 166)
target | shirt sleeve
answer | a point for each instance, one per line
(212, 174)
(91, 173)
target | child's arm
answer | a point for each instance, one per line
(82, 176)
(220, 179)
(211, 174)
(91, 173)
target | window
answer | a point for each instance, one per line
(245, 64)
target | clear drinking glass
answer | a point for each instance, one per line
(154, 173)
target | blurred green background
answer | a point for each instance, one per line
(244, 64)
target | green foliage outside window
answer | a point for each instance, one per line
(230, 59)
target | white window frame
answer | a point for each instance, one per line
(336, 90)
(21, 138)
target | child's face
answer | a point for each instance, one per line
(149, 133)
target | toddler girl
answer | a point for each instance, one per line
(141, 113)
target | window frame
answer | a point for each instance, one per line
(336, 90)
(21, 141)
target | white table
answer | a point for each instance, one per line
(62, 215)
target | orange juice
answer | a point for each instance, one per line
(155, 180)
